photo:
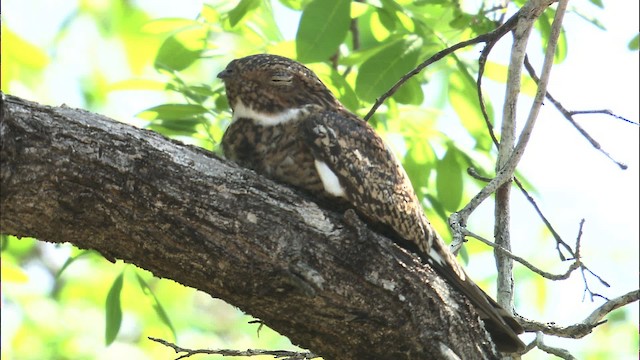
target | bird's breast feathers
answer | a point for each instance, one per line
(329, 179)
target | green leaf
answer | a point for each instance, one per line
(376, 25)
(295, 4)
(418, 163)
(461, 21)
(167, 25)
(175, 127)
(561, 48)
(387, 20)
(241, 10)
(162, 314)
(449, 180)
(544, 25)
(442, 218)
(634, 44)
(138, 84)
(410, 93)
(4, 242)
(396, 11)
(379, 72)
(592, 20)
(113, 310)
(174, 55)
(323, 26)
(464, 100)
(597, 3)
(359, 56)
(70, 260)
(342, 89)
(172, 112)
(498, 72)
(358, 9)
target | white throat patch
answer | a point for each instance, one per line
(240, 110)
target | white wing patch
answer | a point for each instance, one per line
(435, 256)
(329, 179)
(452, 265)
(240, 110)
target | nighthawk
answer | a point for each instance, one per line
(288, 126)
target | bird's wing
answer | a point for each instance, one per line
(373, 181)
(370, 176)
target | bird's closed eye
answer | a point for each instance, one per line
(281, 79)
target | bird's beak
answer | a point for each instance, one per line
(224, 74)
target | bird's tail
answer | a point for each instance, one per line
(500, 324)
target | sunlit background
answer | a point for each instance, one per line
(56, 52)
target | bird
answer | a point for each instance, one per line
(288, 126)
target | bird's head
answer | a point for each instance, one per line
(271, 84)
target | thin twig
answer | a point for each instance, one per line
(355, 35)
(482, 62)
(495, 34)
(603, 111)
(553, 231)
(278, 354)
(575, 265)
(569, 116)
(485, 115)
(528, 14)
(598, 314)
(561, 353)
(459, 218)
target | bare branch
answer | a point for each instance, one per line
(585, 327)
(278, 354)
(495, 34)
(561, 353)
(482, 61)
(516, 62)
(528, 14)
(603, 111)
(611, 305)
(553, 231)
(527, 264)
(576, 264)
(457, 243)
(569, 116)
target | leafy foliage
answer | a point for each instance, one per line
(323, 27)
(113, 310)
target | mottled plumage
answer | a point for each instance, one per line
(288, 126)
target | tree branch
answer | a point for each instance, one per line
(513, 88)
(561, 353)
(585, 327)
(278, 354)
(488, 37)
(569, 116)
(68, 175)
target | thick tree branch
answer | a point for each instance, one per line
(68, 175)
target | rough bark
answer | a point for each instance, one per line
(69, 175)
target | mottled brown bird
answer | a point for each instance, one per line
(288, 126)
